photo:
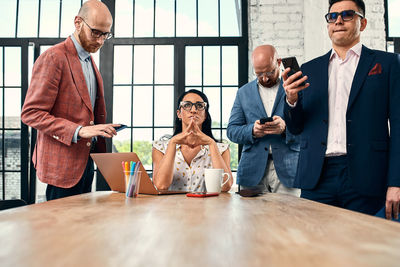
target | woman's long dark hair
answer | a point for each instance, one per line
(206, 126)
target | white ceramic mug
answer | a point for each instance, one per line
(214, 179)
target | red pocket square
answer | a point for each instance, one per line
(377, 69)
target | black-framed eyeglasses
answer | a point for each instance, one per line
(346, 15)
(97, 33)
(187, 105)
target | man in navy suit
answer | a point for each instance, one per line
(349, 156)
(269, 156)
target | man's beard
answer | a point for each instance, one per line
(85, 43)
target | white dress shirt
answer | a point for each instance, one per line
(340, 75)
(268, 96)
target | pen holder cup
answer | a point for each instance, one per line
(132, 183)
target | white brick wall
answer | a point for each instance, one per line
(298, 28)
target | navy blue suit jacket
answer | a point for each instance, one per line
(373, 154)
(248, 108)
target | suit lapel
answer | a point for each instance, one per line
(77, 73)
(324, 83)
(257, 100)
(364, 65)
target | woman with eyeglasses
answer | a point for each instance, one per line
(179, 163)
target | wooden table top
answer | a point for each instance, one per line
(107, 229)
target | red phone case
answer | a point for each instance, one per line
(202, 194)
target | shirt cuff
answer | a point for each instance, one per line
(290, 105)
(76, 138)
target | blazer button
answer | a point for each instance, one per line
(266, 148)
(325, 121)
(323, 143)
(91, 122)
(88, 144)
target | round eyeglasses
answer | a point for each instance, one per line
(98, 34)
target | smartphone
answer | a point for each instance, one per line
(121, 127)
(201, 194)
(264, 120)
(291, 62)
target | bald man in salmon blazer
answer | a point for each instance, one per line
(65, 103)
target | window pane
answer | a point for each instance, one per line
(1, 66)
(211, 65)
(12, 107)
(228, 97)
(123, 18)
(393, 18)
(208, 18)
(164, 69)
(40, 191)
(69, 10)
(8, 12)
(122, 142)
(13, 185)
(164, 105)
(193, 65)
(142, 106)
(12, 144)
(217, 134)
(1, 110)
(142, 145)
(214, 98)
(160, 132)
(234, 150)
(230, 17)
(143, 64)
(144, 13)
(185, 17)
(229, 65)
(165, 18)
(44, 48)
(28, 27)
(30, 61)
(49, 18)
(122, 105)
(122, 64)
(12, 68)
(1, 182)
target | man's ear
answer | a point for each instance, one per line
(363, 24)
(78, 24)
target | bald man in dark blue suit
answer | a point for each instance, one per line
(349, 156)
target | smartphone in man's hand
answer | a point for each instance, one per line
(267, 119)
(120, 127)
(291, 62)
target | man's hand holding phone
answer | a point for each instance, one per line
(293, 80)
(276, 126)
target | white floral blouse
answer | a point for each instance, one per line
(189, 177)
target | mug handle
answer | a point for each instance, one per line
(223, 175)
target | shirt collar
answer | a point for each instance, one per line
(356, 49)
(82, 53)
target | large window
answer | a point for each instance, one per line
(160, 49)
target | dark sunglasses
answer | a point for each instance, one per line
(345, 14)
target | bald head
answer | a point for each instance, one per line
(94, 11)
(264, 55)
(266, 64)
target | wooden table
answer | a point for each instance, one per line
(107, 229)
